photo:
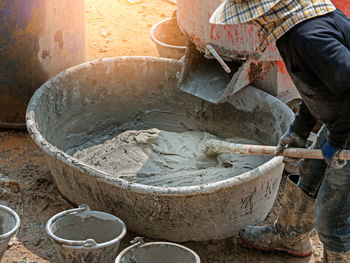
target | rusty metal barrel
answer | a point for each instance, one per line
(38, 39)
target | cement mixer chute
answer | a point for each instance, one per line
(235, 44)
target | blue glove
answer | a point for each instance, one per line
(330, 155)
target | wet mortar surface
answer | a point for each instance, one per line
(167, 159)
(25, 181)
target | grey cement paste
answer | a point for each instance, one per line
(168, 159)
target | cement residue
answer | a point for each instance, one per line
(168, 159)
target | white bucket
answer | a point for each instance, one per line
(82, 235)
(156, 252)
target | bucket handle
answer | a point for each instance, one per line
(137, 242)
(85, 243)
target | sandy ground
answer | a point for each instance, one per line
(114, 28)
(118, 28)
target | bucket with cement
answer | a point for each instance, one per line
(9, 225)
(82, 235)
(156, 252)
(170, 41)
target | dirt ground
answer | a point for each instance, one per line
(114, 28)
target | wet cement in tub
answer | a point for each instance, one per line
(167, 159)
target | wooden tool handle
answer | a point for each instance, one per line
(219, 147)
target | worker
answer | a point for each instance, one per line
(313, 38)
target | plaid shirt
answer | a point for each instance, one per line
(286, 14)
(277, 20)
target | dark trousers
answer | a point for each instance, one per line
(317, 56)
(331, 188)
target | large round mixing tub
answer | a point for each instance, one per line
(92, 102)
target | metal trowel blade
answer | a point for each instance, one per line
(205, 78)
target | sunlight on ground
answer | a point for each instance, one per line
(119, 28)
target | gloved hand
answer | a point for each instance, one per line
(330, 155)
(289, 139)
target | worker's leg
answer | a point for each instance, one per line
(312, 171)
(332, 210)
(290, 232)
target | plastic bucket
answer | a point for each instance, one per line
(9, 225)
(157, 252)
(82, 235)
(170, 41)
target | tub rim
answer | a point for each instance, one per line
(56, 153)
(139, 243)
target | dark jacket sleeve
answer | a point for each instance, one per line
(303, 122)
(317, 54)
(328, 50)
(339, 131)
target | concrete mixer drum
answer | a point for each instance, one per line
(235, 43)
